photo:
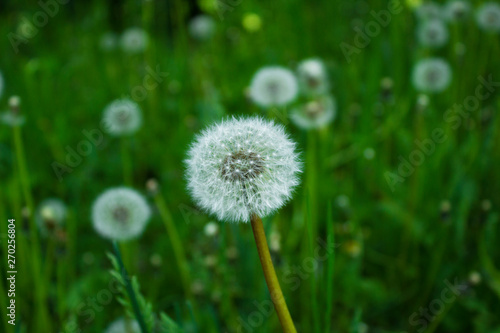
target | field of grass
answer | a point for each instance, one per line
(393, 228)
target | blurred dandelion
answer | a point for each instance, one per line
(273, 86)
(134, 40)
(50, 215)
(122, 117)
(314, 114)
(488, 17)
(202, 27)
(120, 214)
(429, 11)
(13, 117)
(242, 167)
(312, 76)
(211, 229)
(432, 33)
(456, 10)
(122, 325)
(431, 75)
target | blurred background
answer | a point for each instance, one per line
(394, 227)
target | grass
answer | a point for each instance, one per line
(394, 249)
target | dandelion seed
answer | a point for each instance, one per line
(315, 114)
(488, 17)
(123, 325)
(202, 27)
(13, 117)
(218, 166)
(273, 86)
(50, 215)
(432, 33)
(312, 76)
(134, 40)
(120, 214)
(429, 11)
(456, 10)
(431, 75)
(122, 117)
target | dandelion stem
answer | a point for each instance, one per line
(127, 169)
(130, 290)
(270, 275)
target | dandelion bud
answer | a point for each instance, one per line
(152, 186)
(242, 167)
(273, 86)
(120, 214)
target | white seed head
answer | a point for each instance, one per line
(122, 117)
(315, 114)
(134, 40)
(241, 167)
(456, 10)
(312, 76)
(431, 75)
(273, 86)
(202, 27)
(429, 11)
(108, 41)
(122, 325)
(488, 17)
(12, 119)
(432, 33)
(120, 214)
(50, 215)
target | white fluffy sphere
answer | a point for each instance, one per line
(315, 114)
(273, 86)
(242, 167)
(432, 33)
(313, 77)
(134, 40)
(431, 75)
(202, 27)
(456, 10)
(50, 215)
(122, 117)
(488, 17)
(120, 214)
(122, 325)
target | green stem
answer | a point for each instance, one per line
(270, 276)
(314, 287)
(330, 270)
(126, 163)
(130, 290)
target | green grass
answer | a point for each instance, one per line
(395, 249)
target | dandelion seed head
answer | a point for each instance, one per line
(429, 11)
(122, 117)
(122, 325)
(431, 75)
(273, 86)
(120, 214)
(432, 33)
(488, 17)
(202, 27)
(241, 167)
(456, 10)
(315, 114)
(134, 40)
(312, 76)
(50, 215)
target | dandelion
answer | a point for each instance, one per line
(431, 75)
(50, 215)
(456, 10)
(315, 114)
(273, 86)
(202, 27)
(313, 77)
(122, 325)
(488, 17)
(429, 11)
(120, 214)
(108, 41)
(122, 117)
(134, 40)
(13, 117)
(242, 169)
(432, 33)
